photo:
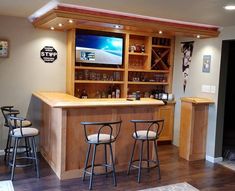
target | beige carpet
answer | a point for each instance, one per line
(184, 186)
(6, 185)
(229, 164)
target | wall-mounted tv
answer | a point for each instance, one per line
(99, 48)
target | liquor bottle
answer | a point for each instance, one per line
(98, 94)
(110, 92)
(137, 96)
(117, 92)
(84, 94)
(113, 92)
(142, 48)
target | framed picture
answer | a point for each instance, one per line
(206, 65)
(4, 48)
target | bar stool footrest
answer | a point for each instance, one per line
(145, 167)
(98, 165)
(23, 165)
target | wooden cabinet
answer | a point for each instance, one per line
(146, 72)
(166, 112)
(147, 66)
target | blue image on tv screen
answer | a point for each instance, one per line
(99, 49)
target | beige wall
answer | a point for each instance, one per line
(24, 71)
(197, 78)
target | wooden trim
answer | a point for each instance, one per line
(70, 62)
(98, 68)
(144, 83)
(136, 21)
(148, 71)
(98, 82)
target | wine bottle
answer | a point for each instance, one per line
(110, 92)
(117, 92)
(113, 92)
(84, 94)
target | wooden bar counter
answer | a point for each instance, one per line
(62, 141)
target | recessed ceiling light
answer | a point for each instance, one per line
(229, 7)
(198, 36)
(60, 25)
(159, 32)
(52, 28)
(70, 21)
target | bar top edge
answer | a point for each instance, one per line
(63, 100)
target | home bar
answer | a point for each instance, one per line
(104, 85)
(117, 95)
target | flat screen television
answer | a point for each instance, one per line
(102, 48)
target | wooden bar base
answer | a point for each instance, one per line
(193, 128)
(62, 140)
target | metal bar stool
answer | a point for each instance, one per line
(149, 132)
(18, 132)
(106, 133)
(8, 110)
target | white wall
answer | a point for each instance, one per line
(24, 71)
(197, 78)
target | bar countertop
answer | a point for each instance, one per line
(63, 100)
(197, 100)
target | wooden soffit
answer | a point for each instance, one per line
(99, 18)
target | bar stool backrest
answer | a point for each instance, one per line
(8, 110)
(149, 125)
(112, 128)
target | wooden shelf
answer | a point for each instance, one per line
(148, 71)
(147, 83)
(160, 46)
(98, 82)
(137, 54)
(98, 68)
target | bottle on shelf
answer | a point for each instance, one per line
(84, 94)
(117, 92)
(103, 94)
(113, 92)
(142, 48)
(137, 96)
(97, 94)
(110, 92)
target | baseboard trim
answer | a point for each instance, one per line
(214, 160)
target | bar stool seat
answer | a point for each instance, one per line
(143, 135)
(149, 132)
(27, 132)
(99, 138)
(105, 133)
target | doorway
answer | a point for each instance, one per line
(225, 133)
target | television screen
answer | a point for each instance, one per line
(99, 49)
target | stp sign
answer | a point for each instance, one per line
(48, 54)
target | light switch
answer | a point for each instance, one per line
(206, 89)
(213, 89)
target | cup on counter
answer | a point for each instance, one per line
(170, 97)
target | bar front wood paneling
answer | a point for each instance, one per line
(62, 141)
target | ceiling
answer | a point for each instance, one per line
(209, 12)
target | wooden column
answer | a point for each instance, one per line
(193, 127)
